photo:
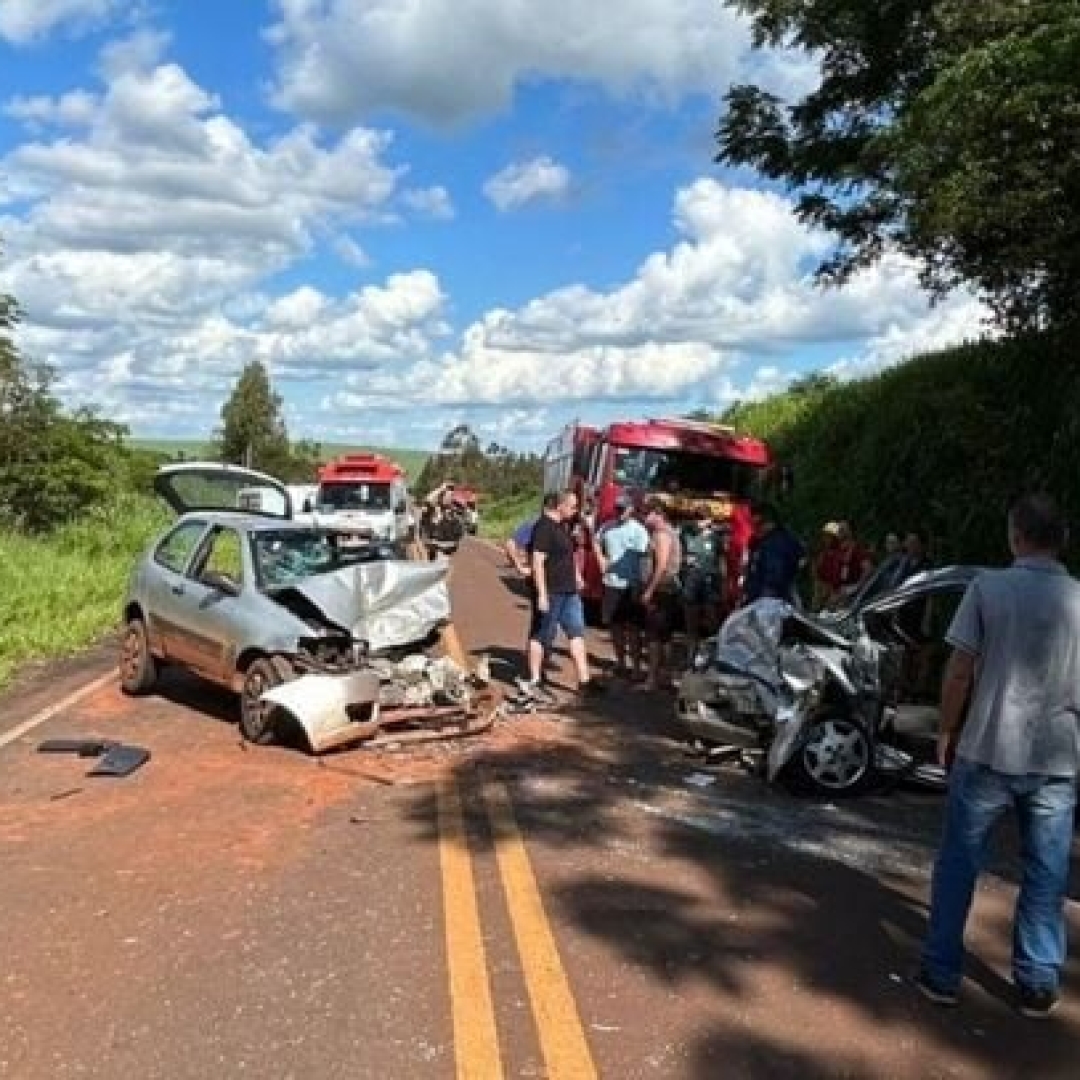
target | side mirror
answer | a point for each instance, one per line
(221, 583)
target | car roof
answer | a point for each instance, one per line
(237, 519)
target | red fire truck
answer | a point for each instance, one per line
(692, 465)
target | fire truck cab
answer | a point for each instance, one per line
(691, 465)
(366, 493)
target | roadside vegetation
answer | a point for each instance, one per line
(509, 484)
(943, 442)
(61, 590)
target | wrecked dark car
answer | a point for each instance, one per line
(297, 619)
(832, 701)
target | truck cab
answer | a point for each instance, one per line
(366, 493)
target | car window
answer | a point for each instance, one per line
(175, 550)
(225, 556)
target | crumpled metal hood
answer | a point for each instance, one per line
(388, 604)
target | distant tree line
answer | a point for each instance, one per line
(495, 471)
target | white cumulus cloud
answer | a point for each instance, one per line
(525, 182)
(23, 21)
(432, 202)
(449, 60)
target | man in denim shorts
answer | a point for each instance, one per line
(1016, 656)
(558, 584)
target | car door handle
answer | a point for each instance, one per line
(177, 590)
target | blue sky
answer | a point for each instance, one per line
(488, 211)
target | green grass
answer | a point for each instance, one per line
(63, 592)
(498, 519)
(412, 461)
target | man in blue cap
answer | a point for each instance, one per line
(620, 546)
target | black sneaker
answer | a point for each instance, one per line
(1036, 1004)
(933, 991)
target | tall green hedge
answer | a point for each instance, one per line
(942, 442)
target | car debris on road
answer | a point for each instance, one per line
(114, 758)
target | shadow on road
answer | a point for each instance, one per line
(828, 898)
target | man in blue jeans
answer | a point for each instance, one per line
(1016, 655)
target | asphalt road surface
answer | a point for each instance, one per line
(566, 896)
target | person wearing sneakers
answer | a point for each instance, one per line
(619, 546)
(558, 584)
(1016, 659)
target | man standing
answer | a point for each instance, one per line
(1016, 654)
(776, 554)
(558, 596)
(660, 598)
(619, 548)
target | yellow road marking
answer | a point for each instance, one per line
(562, 1038)
(476, 1044)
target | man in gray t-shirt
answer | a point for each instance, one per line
(1015, 668)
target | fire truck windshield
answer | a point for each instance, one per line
(354, 496)
(683, 471)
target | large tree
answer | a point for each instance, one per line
(253, 431)
(945, 128)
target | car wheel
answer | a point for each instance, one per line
(138, 668)
(835, 758)
(256, 716)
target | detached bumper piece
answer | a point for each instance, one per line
(116, 759)
(417, 700)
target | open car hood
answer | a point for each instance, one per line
(389, 604)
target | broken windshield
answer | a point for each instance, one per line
(286, 557)
(674, 471)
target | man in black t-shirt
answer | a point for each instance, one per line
(557, 583)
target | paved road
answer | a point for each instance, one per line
(557, 898)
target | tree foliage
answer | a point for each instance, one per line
(497, 472)
(943, 442)
(253, 431)
(946, 129)
(54, 465)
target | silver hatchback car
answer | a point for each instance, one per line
(248, 598)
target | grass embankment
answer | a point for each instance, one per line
(498, 519)
(62, 592)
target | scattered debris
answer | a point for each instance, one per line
(65, 794)
(117, 759)
(701, 780)
(120, 760)
(93, 747)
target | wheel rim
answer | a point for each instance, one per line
(836, 755)
(255, 711)
(131, 655)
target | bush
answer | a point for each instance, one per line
(943, 442)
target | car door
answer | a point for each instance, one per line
(216, 592)
(166, 586)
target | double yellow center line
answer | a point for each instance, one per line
(562, 1038)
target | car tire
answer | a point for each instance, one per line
(835, 758)
(257, 721)
(138, 668)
